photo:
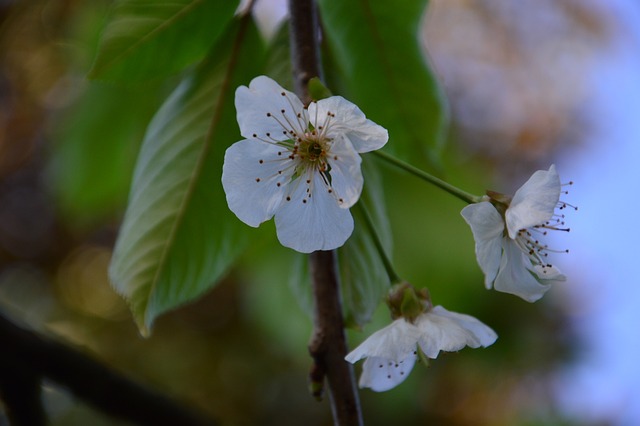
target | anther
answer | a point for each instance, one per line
(288, 198)
(257, 179)
(261, 161)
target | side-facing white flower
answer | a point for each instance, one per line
(298, 163)
(392, 351)
(507, 232)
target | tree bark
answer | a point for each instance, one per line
(328, 344)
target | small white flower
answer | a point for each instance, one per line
(297, 163)
(507, 232)
(392, 351)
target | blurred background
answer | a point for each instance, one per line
(529, 82)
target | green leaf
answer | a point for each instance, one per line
(375, 44)
(96, 142)
(146, 39)
(178, 236)
(278, 65)
(317, 89)
(362, 272)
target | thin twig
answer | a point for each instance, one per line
(328, 344)
(89, 380)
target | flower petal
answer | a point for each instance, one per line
(364, 134)
(265, 96)
(442, 331)
(346, 176)
(381, 374)
(487, 227)
(395, 342)
(484, 335)
(250, 176)
(534, 203)
(311, 219)
(549, 274)
(515, 277)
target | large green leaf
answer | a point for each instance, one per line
(375, 44)
(363, 275)
(146, 39)
(178, 235)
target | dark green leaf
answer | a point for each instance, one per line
(278, 65)
(362, 272)
(375, 44)
(147, 39)
(178, 235)
(317, 90)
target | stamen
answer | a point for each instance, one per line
(532, 247)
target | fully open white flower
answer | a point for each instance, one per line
(298, 163)
(507, 232)
(392, 351)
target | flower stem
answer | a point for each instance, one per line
(394, 278)
(453, 190)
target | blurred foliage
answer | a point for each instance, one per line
(68, 149)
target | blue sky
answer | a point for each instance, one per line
(604, 290)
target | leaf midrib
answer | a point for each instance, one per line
(219, 105)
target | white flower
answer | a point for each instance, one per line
(508, 231)
(299, 164)
(392, 351)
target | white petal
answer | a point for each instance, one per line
(381, 374)
(483, 334)
(549, 274)
(251, 187)
(395, 342)
(515, 277)
(487, 227)
(346, 176)
(312, 220)
(265, 96)
(445, 333)
(364, 134)
(534, 203)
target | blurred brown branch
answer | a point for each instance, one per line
(26, 354)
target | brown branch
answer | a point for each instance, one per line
(305, 56)
(328, 346)
(98, 385)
